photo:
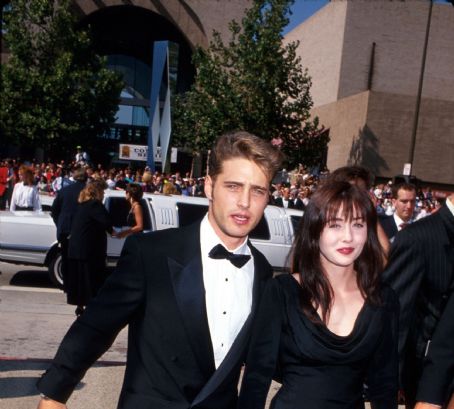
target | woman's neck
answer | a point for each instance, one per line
(342, 279)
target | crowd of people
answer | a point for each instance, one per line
(291, 189)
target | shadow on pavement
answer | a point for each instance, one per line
(32, 278)
(18, 377)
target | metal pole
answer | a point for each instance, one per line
(420, 85)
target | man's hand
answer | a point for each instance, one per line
(424, 405)
(46, 403)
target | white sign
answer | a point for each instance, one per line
(407, 169)
(140, 152)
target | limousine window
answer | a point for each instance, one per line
(118, 208)
(296, 220)
(189, 213)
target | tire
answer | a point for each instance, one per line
(54, 270)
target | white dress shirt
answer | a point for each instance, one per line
(25, 196)
(399, 222)
(228, 292)
(450, 206)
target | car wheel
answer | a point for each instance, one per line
(54, 269)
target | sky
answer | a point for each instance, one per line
(302, 9)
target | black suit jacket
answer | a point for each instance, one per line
(420, 269)
(157, 288)
(389, 225)
(88, 238)
(438, 370)
(280, 203)
(64, 207)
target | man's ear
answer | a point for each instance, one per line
(208, 188)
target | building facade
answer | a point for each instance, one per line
(366, 59)
(126, 30)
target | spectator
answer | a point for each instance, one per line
(82, 158)
(134, 220)
(25, 194)
(88, 247)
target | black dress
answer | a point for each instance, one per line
(87, 252)
(317, 368)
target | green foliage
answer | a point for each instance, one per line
(255, 83)
(56, 89)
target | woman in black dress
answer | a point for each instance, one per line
(328, 329)
(87, 246)
(134, 220)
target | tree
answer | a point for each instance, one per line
(55, 89)
(255, 83)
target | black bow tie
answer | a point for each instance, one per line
(219, 252)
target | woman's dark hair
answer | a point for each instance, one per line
(352, 174)
(135, 191)
(316, 290)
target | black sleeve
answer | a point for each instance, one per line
(93, 333)
(263, 350)
(438, 371)
(404, 274)
(102, 216)
(382, 375)
(56, 208)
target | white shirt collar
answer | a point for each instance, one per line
(399, 221)
(450, 206)
(209, 239)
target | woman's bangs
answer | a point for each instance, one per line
(349, 207)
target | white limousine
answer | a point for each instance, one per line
(30, 237)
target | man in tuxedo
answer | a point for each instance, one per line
(404, 201)
(189, 296)
(421, 270)
(439, 363)
(286, 201)
(63, 209)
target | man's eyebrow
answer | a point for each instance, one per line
(233, 182)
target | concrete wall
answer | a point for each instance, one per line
(195, 18)
(321, 42)
(336, 46)
(346, 120)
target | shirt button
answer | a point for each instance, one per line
(226, 279)
(225, 312)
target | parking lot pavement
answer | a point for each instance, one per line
(99, 389)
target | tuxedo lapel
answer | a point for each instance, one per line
(238, 348)
(187, 278)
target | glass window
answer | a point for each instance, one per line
(295, 220)
(118, 208)
(261, 231)
(190, 213)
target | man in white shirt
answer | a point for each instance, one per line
(189, 296)
(403, 201)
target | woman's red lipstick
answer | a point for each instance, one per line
(346, 250)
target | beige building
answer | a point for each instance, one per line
(365, 59)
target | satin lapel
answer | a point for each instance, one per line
(238, 349)
(187, 279)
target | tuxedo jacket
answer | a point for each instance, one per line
(439, 362)
(280, 203)
(389, 225)
(420, 270)
(64, 207)
(157, 288)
